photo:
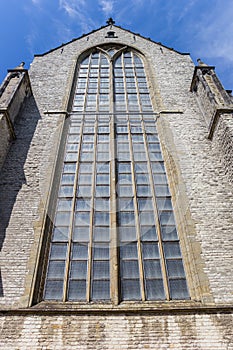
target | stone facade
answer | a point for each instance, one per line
(196, 131)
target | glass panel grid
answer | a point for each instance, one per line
(150, 256)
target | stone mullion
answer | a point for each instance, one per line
(125, 86)
(98, 84)
(72, 218)
(92, 204)
(157, 220)
(114, 264)
(87, 84)
(136, 84)
(136, 212)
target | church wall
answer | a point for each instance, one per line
(121, 331)
(223, 141)
(5, 137)
(202, 198)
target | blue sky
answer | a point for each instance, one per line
(204, 28)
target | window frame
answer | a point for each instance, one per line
(127, 111)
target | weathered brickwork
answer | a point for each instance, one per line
(22, 188)
(181, 332)
(5, 138)
(200, 177)
(223, 141)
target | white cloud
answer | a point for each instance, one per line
(106, 6)
(36, 2)
(214, 36)
(69, 6)
(78, 9)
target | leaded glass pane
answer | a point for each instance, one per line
(56, 269)
(60, 234)
(58, 251)
(81, 234)
(100, 290)
(155, 289)
(175, 268)
(130, 289)
(62, 218)
(152, 269)
(148, 233)
(101, 270)
(169, 233)
(178, 289)
(101, 234)
(129, 251)
(129, 269)
(127, 233)
(150, 250)
(77, 290)
(172, 250)
(78, 270)
(54, 290)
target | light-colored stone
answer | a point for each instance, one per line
(200, 177)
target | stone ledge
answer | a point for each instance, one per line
(5, 114)
(131, 308)
(215, 118)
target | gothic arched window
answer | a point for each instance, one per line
(114, 235)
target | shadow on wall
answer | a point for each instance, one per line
(12, 178)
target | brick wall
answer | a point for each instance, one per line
(180, 332)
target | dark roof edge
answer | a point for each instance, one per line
(96, 30)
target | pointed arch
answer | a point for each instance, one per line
(114, 235)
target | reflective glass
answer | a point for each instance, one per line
(178, 289)
(175, 268)
(127, 233)
(150, 250)
(84, 191)
(129, 251)
(101, 251)
(100, 290)
(83, 204)
(78, 270)
(54, 290)
(62, 218)
(58, 251)
(101, 218)
(130, 289)
(81, 234)
(79, 251)
(87, 231)
(101, 234)
(124, 191)
(56, 269)
(154, 289)
(169, 233)
(126, 204)
(148, 233)
(129, 269)
(60, 234)
(147, 217)
(102, 191)
(126, 218)
(82, 218)
(67, 179)
(64, 205)
(69, 168)
(77, 290)
(101, 270)
(172, 250)
(152, 269)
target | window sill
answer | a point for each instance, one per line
(169, 307)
